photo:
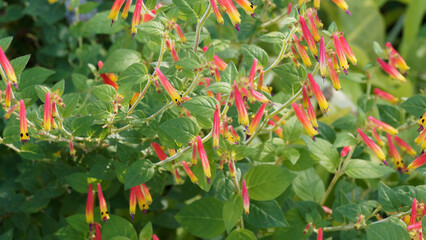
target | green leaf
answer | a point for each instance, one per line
(386, 231)
(323, 150)
(78, 222)
(79, 126)
(241, 234)
(267, 214)
(79, 81)
(291, 154)
(59, 88)
(290, 77)
(250, 52)
(202, 108)
(413, 20)
(119, 60)
(273, 37)
(19, 63)
(203, 218)
(230, 73)
(99, 110)
(5, 43)
(99, 24)
(232, 210)
(135, 73)
(8, 235)
(69, 233)
(185, 8)
(34, 76)
(388, 199)
(139, 172)
(346, 123)
(266, 182)
(415, 105)
(220, 87)
(182, 129)
(104, 92)
(31, 151)
(390, 115)
(308, 185)
(118, 226)
(87, 7)
(151, 28)
(71, 102)
(209, 54)
(363, 169)
(146, 233)
(292, 130)
(78, 182)
(344, 139)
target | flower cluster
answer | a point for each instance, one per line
(396, 65)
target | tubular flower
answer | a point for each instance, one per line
(54, 111)
(413, 216)
(147, 17)
(345, 151)
(393, 73)
(342, 5)
(255, 122)
(311, 115)
(98, 234)
(381, 125)
(246, 200)
(247, 6)
(8, 95)
(307, 227)
(252, 72)
(136, 19)
(233, 137)
(422, 121)
(233, 13)
(395, 59)
(417, 163)
(132, 202)
(171, 48)
(318, 94)
(146, 193)
(113, 15)
(323, 59)
(385, 96)
(300, 114)
(134, 98)
(216, 127)
(180, 33)
(301, 2)
(377, 137)
(404, 146)
(188, 171)
(313, 28)
(23, 119)
(47, 115)
(216, 11)
(335, 62)
(333, 75)
(231, 168)
(203, 158)
(216, 74)
(177, 99)
(177, 176)
(102, 204)
(347, 49)
(242, 111)
(106, 78)
(376, 149)
(194, 153)
(154, 237)
(255, 95)
(305, 97)
(421, 139)
(72, 150)
(319, 235)
(303, 55)
(160, 153)
(394, 154)
(340, 54)
(308, 37)
(317, 4)
(209, 93)
(7, 67)
(89, 206)
(125, 12)
(143, 206)
(8, 113)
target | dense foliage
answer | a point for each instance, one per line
(276, 120)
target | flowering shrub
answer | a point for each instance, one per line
(219, 119)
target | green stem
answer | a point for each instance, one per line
(200, 25)
(145, 89)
